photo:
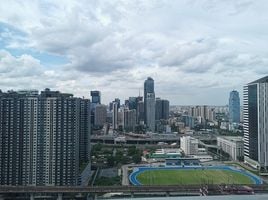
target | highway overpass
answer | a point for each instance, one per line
(97, 190)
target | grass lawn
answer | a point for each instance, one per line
(192, 177)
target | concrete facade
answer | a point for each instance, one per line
(234, 146)
(189, 145)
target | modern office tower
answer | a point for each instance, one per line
(150, 111)
(161, 109)
(165, 109)
(140, 112)
(129, 119)
(234, 107)
(148, 88)
(95, 97)
(120, 117)
(158, 109)
(111, 106)
(95, 100)
(189, 121)
(48, 134)
(189, 145)
(255, 123)
(115, 115)
(117, 100)
(132, 103)
(100, 115)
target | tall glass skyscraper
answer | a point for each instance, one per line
(95, 100)
(255, 123)
(150, 111)
(148, 88)
(96, 97)
(234, 107)
(161, 109)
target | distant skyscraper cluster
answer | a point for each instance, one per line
(203, 113)
(139, 112)
(43, 137)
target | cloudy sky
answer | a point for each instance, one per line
(197, 51)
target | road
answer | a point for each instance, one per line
(125, 180)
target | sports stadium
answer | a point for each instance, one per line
(192, 175)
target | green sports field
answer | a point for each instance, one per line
(192, 177)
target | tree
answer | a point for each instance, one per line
(132, 150)
(110, 161)
(97, 147)
(136, 158)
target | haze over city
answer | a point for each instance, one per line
(197, 51)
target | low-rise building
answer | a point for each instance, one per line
(202, 158)
(166, 153)
(189, 145)
(232, 145)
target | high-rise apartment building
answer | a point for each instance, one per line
(115, 115)
(255, 123)
(129, 119)
(203, 113)
(43, 138)
(100, 115)
(234, 107)
(148, 88)
(150, 111)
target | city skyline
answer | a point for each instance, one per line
(196, 51)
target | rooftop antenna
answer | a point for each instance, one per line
(139, 92)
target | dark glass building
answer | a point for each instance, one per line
(95, 97)
(234, 107)
(161, 109)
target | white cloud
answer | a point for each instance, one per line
(193, 49)
(22, 66)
